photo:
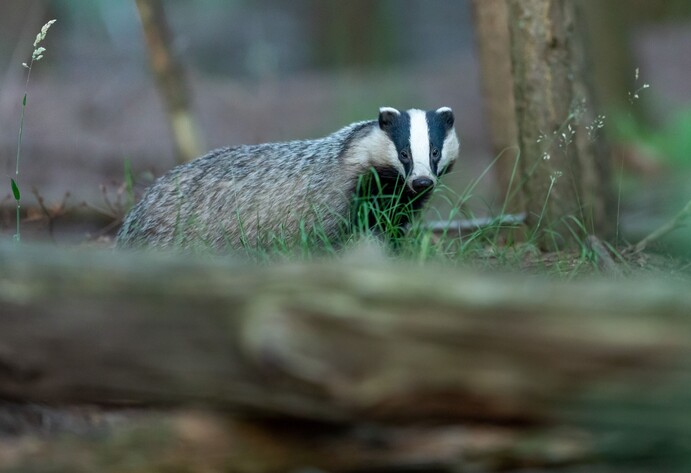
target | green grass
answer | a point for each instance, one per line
(489, 247)
(495, 245)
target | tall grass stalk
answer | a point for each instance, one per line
(552, 180)
(36, 56)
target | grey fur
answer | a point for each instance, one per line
(246, 195)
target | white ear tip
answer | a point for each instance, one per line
(389, 109)
(444, 109)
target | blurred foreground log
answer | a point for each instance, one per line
(343, 344)
(192, 441)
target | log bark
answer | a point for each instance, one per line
(338, 342)
(194, 441)
(565, 172)
(343, 366)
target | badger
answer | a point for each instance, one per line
(323, 189)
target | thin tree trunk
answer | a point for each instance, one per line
(170, 77)
(565, 176)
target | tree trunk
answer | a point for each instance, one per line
(170, 77)
(564, 170)
(494, 52)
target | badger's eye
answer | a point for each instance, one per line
(435, 153)
(405, 156)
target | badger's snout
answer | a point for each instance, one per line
(421, 184)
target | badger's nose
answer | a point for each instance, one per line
(421, 184)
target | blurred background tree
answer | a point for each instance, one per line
(171, 79)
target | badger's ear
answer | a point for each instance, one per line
(446, 115)
(387, 117)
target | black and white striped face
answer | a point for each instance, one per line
(426, 144)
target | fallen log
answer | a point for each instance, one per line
(344, 343)
(197, 441)
(331, 340)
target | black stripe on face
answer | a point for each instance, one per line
(438, 125)
(397, 127)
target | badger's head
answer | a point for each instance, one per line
(423, 146)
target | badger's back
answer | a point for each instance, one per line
(249, 195)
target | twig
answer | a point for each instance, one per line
(604, 258)
(474, 224)
(676, 222)
(51, 214)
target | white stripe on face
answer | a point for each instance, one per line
(449, 152)
(419, 145)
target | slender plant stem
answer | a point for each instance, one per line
(21, 119)
(36, 55)
(544, 205)
(17, 235)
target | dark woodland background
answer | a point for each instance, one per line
(271, 70)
